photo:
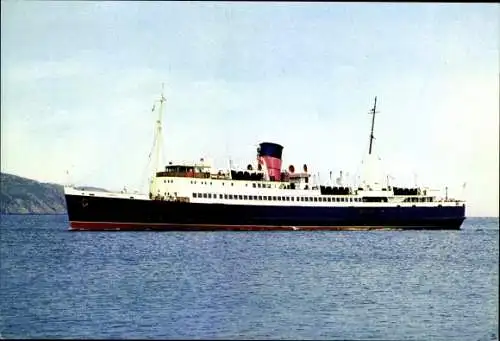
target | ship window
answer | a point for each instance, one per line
(223, 184)
(194, 195)
(209, 195)
(292, 198)
(204, 195)
(210, 182)
(260, 197)
(240, 197)
(230, 196)
(306, 199)
(245, 197)
(258, 185)
(287, 198)
(254, 185)
(350, 199)
(254, 197)
(274, 198)
(225, 196)
(164, 181)
(220, 196)
(232, 184)
(315, 199)
(279, 198)
(329, 199)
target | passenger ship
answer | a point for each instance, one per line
(264, 196)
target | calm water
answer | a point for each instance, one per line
(438, 285)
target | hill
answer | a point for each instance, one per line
(20, 195)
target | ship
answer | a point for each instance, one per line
(264, 196)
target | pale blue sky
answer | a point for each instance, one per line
(79, 80)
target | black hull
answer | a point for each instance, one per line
(100, 214)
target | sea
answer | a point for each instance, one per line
(337, 285)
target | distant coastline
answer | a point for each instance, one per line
(23, 196)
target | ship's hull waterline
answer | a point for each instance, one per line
(93, 213)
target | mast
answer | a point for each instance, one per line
(158, 132)
(372, 112)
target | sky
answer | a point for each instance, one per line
(79, 79)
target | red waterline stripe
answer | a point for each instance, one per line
(110, 226)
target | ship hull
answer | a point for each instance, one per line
(119, 214)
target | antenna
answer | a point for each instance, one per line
(372, 112)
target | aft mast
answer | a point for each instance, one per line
(372, 112)
(371, 162)
(158, 140)
(158, 133)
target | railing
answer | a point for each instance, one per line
(183, 175)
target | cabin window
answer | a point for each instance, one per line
(350, 199)
(194, 195)
(209, 196)
(254, 197)
(245, 197)
(287, 198)
(279, 198)
(254, 185)
(306, 199)
(260, 197)
(223, 184)
(164, 181)
(232, 184)
(210, 182)
(274, 198)
(225, 196)
(230, 196)
(292, 198)
(220, 196)
(315, 199)
(329, 199)
(205, 195)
